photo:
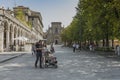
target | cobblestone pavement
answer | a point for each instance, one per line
(71, 66)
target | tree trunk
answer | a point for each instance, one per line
(103, 42)
(112, 43)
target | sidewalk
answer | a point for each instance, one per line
(111, 55)
(5, 56)
(108, 54)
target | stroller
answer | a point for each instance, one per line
(50, 60)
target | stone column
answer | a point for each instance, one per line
(16, 41)
(7, 40)
(1, 38)
(12, 41)
(12, 37)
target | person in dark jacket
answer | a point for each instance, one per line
(74, 47)
(39, 48)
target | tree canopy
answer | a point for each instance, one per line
(95, 20)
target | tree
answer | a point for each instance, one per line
(96, 20)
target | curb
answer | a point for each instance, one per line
(12, 58)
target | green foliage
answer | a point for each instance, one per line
(21, 17)
(95, 20)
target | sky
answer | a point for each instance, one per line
(51, 10)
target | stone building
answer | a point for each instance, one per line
(17, 33)
(32, 17)
(53, 33)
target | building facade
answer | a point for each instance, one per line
(15, 33)
(54, 32)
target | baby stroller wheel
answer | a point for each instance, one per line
(55, 66)
(46, 65)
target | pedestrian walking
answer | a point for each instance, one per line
(118, 50)
(90, 47)
(77, 46)
(74, 47)
(33, 49)
(39, 48)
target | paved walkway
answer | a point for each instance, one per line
(105, 54)
(83, 65)
(5, 56)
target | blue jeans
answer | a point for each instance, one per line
(38, 58)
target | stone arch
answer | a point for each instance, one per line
(5, 35)
(56, 39)
(15, 35)
(10, 34)
(24, 33)
(19, 35)
(21, 32)
(28, 34)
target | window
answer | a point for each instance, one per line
(56, 30)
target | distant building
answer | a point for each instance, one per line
(54, 32)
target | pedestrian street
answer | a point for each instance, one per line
(83, 65)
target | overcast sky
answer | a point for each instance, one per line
(51, 10)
